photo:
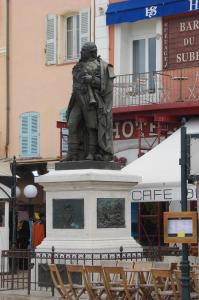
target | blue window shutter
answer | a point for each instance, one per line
(29, 134)
(51, 39)
(64, 132)
(34, 134)
(24, 134)
(84, 26)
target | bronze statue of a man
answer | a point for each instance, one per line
(90, 108)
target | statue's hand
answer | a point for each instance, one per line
(87, 78)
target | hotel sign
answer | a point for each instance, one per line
(125, 130)
(181, 41)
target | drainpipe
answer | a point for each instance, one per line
(93, 7)
(7, 81)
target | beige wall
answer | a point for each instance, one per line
(33, 85)
(2, 78)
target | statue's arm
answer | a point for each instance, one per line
(111, 73)
(78, 73)
(96, 82)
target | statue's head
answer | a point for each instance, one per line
(88, 50)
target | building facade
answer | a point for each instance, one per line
(43, 51)
(39, 45)
(3, 78)
(154, 49)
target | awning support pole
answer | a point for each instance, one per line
(184, 265)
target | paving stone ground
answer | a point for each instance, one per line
(22, 295)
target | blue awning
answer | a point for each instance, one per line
(134, 10)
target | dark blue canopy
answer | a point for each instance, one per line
(134, 10)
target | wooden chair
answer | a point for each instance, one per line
(165, 265)
(146, 286)
(62, 289)
(122, 289)
(195, 278)
(94, 282)
(108, 263)
(164, 284)
(127, 265)
(77, 288)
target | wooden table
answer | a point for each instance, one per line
(180, 79)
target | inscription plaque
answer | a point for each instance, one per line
(68, 213)
(110, 212)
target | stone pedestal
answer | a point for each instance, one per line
(88, 210)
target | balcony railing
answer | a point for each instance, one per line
(157, 87)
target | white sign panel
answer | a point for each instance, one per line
(176, 226)
(194, 156)
(159, 194)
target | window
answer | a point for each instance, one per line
(144, 61)
(29, 134)
(72, 46)
(64, 143)
(144, 55)
(65, 35)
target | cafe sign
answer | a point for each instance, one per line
(162, 194)
(181, 41)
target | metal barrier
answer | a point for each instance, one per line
(28, 270)
(166, 86)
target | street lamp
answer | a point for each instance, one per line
(185, 268)
(30, 191)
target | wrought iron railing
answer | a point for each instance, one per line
(29, 271)
(157, 87)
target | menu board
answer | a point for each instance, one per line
(180, 227)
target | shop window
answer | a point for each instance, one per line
(29, 134)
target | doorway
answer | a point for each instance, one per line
(144, 63)
(147, 222)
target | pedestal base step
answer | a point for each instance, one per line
(87, 164)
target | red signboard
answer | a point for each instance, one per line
(181, 41)
(125, 130)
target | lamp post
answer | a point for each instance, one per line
(13, 202)
(15, 192)
(185, 268)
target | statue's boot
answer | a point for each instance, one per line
(92, 146)
(91, 154)
(72, 154)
